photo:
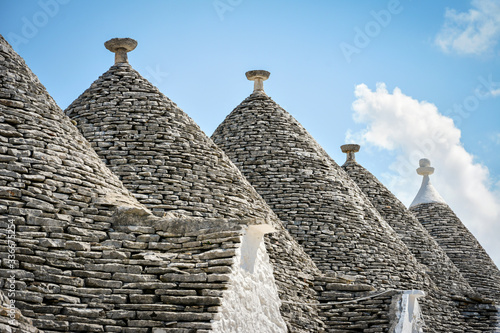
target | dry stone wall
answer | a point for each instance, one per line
(12, 320)
(347, 307)
(412, 233)
(479, 315)
(163, 276)
(90, 257)
(75, 270)
(294, 273)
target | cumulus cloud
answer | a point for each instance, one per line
(474, 32)
(413, 129)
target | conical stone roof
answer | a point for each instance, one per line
(320, 205)
(158, 152)
(456, 240)
(49, 170)
(91, 258)
(414, 235)
(448, 279)
(60, 201)
(171, 166)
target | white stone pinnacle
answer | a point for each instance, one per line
(120, 47)
(427, 192)
(258, 76)
(425, 167)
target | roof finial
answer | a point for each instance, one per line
(425, 167)
(120, 47)
(350, 149)
(427, 192)
(258, 76)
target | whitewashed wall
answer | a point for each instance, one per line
(251, 303)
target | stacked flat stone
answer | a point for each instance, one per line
(158, 152)
(14, 322)
(451, 285)
(320, 205)
(89, 257)
(84, 262)
(295, 273)
(457, 241)
(170, 165)
(137, 279)
(348, 307)
(97, 261)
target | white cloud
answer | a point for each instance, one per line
(474, 32)
(414, 129)
(495, 92)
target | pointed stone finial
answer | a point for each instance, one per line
(258, 76)
(120, 47)
(425, 167)
(427, 192)
(350, 150)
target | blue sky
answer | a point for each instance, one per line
(325, 58)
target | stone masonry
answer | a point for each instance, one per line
(461, 246)
(16, 323)
(158, 152)
(169, 164)
(320, 205)
(135, 221)
(454, 237)
(318, 202)
(451, 285)
(89, 257)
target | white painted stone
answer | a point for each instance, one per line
(251, 303)
(410, 315)
(427, 192)
(250, 245)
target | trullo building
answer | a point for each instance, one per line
(128, 218)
